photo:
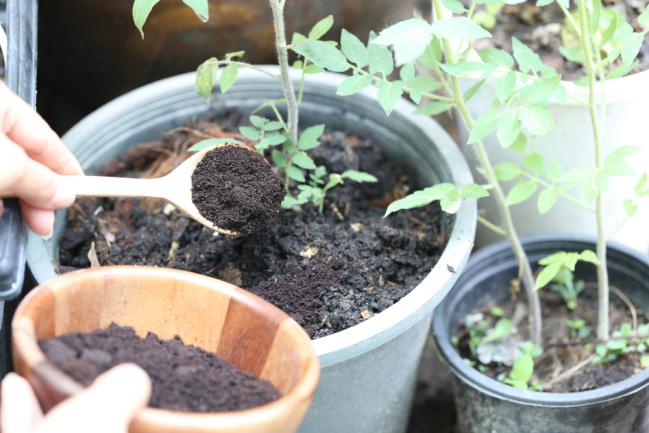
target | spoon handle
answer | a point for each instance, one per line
(104, 186)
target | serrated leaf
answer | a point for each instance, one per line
(504, 86)
(380, 59)
(200, 8)
(141, 11)
(459, 27)
(408, 39)
(295, 174)
(521, 192)
(508, 128)
(534, 162)
(358, 176)
(303, 160)
(389, 95)
(250, 133)
(484, 126)
(210, 142)
(473, 191)
(547, 274)
(310, 137)
(506, 171)
(228, 77)
(276, 138)
(434, 108)
(206, 77)
(258, 121)
(528, 60)
(497, 58)
(353, 49)
(589, 256)
(547, 200)
(354, 84)
(321, 27)
(323, 54)
(536, 120)
(541, 90)
(420, 198)
(272, 126)
(279, 158)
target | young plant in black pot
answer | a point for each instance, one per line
(363, 286)
(497, 339)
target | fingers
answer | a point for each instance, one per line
(108, 405)
(40, 221)
(20, 412)
(29, 180)
(28, 130)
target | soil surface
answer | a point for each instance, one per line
(185, 378)
(540, 29)
(329, 271)
(236, 189)
(566, 364)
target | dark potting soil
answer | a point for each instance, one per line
(329, 271)
(236, 189)
(566, 363)
(184, 378)
(540, 29)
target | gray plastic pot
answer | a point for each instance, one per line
(486, 405)
(368, 371)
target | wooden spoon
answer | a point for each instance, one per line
(176, 187)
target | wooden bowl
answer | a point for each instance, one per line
(216, 316)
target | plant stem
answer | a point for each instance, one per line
(524, 268)
(491, 226)
(602, 271)
(277, 7)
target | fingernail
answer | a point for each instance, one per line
(63, 197)
(48, 236)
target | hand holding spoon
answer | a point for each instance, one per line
(231, 177)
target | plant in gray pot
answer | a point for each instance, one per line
(540, 364)
(364, 287)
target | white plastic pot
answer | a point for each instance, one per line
(369, 370)
(571, 145)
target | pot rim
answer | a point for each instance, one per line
(301, 391)
(391, 322)
(492, 387)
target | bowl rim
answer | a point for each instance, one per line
(302, 391)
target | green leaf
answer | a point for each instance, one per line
(541, 90)
(451, 202)
(228, 77)
(536, 119)
(454, 6)
(506, 171)
(303, 160)
(206, 77)
(321, 28)
(434, 108)
(358, 176)
(276, 138)
(630, 207)
(508, 128)
(250, 133)
(279, 158)
(258, 121)
(501, 330)
(497, 58)
(534, 162)
(295, 174)
(210, 142)
(631, 45)
(521, 192)
(541, 3)
(380, 59)
(589, 256)
(504, 86)
(419, 85)
(272, 126)
(420, 198)
(473, 90)
(644, 361)
(547, 274)
(616, 345)
(459, 27)
(354, 84)
(483, 126)
(553, 171)
(141, 11)
(547, 200)
(409, 39)
(389, 95)
(200, 8)
(523, 369)
(353, 49)
(473, 191)
(528, 60)
(643, 19)
(323, 54)
(309, 139)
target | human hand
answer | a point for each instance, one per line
(106, 406)
(32, 157)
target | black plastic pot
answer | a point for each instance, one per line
(486, 405)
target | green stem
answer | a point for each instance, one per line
(562, 194)
(491, 226)
(602, 271)
(525, 270)
(277, 7)
(250, 66)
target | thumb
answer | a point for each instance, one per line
(20, 411)
(108, 405)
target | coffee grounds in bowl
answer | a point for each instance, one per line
(185, 378)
